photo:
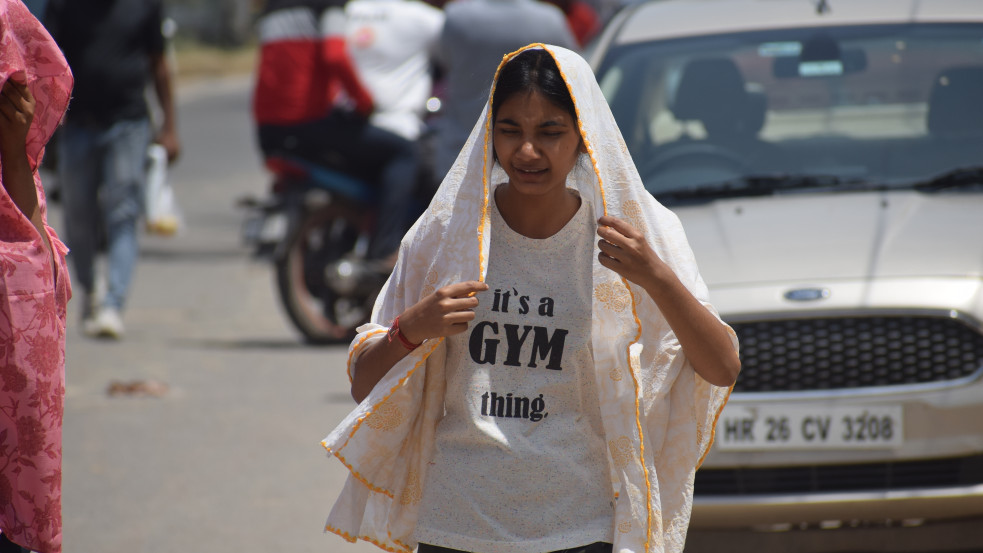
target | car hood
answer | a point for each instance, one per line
(832, 236)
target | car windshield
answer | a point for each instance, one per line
(876, 104)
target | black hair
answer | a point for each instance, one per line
(532, 70)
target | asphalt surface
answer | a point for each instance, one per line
(199, 431)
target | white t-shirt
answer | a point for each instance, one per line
(391, 43)
(519, 463)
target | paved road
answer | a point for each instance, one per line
(229, 459)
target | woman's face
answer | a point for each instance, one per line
(537, 143)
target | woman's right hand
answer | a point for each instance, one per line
(17, 106)
(445, 312)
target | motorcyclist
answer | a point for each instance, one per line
(313, 102)
(393, 46)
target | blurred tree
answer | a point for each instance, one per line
(227, 23)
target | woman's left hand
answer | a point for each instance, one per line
(704, 338)
(625, 251)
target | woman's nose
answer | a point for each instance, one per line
(527, 150)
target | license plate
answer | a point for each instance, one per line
(265, 228)
(786, 427)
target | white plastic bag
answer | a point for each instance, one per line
(163, 216)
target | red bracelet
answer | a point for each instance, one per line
(395, 331)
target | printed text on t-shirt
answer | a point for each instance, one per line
(485, 336)
(527, 345)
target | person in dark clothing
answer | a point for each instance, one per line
(115, 48)
(37, 7)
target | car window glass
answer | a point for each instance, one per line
(885, 102)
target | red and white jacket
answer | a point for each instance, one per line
(304, 69)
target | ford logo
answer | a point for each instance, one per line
(807, 294)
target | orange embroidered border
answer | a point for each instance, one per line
(357, 475)
(337, 452)
(485, 173)
(399, 543)
(638, 419)
(713, 429)
(486, 170)
(348, 537)
(634, 312)
(716, 417)
(354, 350)
(392, 390)
(352, 539)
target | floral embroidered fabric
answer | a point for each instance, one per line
(32, 307)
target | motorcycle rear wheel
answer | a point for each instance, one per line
(322, 316)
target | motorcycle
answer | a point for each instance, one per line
(315, 227)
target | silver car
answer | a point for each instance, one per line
(826, 159)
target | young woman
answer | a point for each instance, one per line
(543, 370)
(34, 288)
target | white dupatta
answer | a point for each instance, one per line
(658, 414)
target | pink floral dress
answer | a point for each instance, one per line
(33, 299)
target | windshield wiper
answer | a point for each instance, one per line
(758, 185)
(957, 178)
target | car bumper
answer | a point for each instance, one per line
(837, 510)
(961, 536)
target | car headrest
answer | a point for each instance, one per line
(955, 105)
(712, 90)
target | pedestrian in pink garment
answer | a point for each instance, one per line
(34, 287)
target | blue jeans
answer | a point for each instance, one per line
(102, 172)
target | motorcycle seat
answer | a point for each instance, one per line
(322, 177)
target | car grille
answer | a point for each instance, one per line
(936, 473)
(855, 352)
